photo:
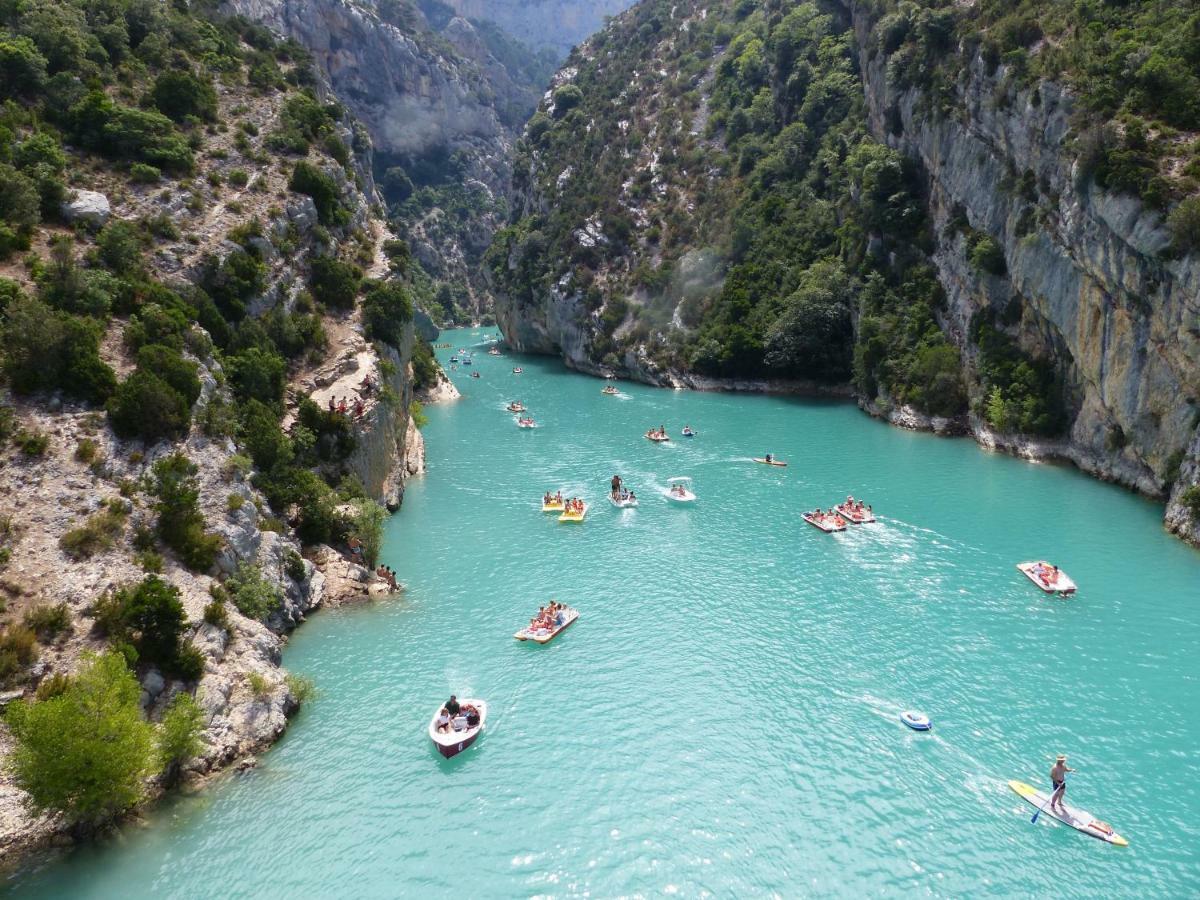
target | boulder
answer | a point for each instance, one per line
(154, 683)
(89, 207)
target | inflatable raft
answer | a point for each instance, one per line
(915, 720)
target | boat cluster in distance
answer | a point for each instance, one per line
(852, 512)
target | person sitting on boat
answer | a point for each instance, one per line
(452, 706)
(443, 720)
(472, 715)
(769, 458)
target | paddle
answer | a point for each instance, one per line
(1050, 799)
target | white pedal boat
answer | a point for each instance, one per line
(855, 517)
(680, 492)
(452, 742)
(828, 527)
(546, 635)
(1047, 577)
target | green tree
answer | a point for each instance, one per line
(179, 94)
(308, 179)
(180, 522)
(333, 282)
(386, 309)
(86, 752)
(144, 406)
(179, 736)
(366, 522)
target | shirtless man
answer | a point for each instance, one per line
(616, 487)
(1058, 778)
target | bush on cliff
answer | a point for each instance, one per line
(180, 522)
(148, 616)
(386, 309)
(86, 752)
(179, 736)
(251, 593)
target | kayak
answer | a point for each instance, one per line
(771, 462)
(1076, 818)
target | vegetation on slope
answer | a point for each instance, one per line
(751, 156)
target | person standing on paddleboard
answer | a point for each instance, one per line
(1058, 778)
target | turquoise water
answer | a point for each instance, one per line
(723, 717)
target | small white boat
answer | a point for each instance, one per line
(688, 431)
(610, 390)
(658, 437)
(546, 635)
(627, 500)
(494, 352)
(915, 720)
(518, 370)
(466, 360)
(526, 423)
(459, 736)
(680, 492)
(1050, 579)
(516, 407)
(454, 359)
(824, 523)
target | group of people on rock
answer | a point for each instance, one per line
(549, 617)
(344, 407)
(388, 574)
(458, 716)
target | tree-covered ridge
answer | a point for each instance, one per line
(1133, 68)
(700, 135)
(182, 226)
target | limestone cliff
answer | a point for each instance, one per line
(1081, 280)
(1097, 288)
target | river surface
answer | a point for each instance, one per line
(723, 718)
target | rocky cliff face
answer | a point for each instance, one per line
(1088, 280)
(1098, 291)
(554, 24)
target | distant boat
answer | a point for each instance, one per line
(1050, 579)
(771, 462)
(688, 431)
(518, 370)
(838, 523)
(658, 437)
(609, 389)
(855, 516)
(574, 515)
(516, 407)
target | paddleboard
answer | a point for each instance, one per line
(1076, 818)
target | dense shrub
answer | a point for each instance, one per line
(251, 593)
(257, 374)
(44, 349)
(100, 124)
(333, 282)
(85, 752)
(147, 407)
(179, 95)
(178, 737)
(180, 522)
(18, 651)
(148, 616)
(308, 179)
(386, 309)
(1190, 500)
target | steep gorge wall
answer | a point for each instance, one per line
(1098, 291)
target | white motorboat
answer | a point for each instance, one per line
(680, 490)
